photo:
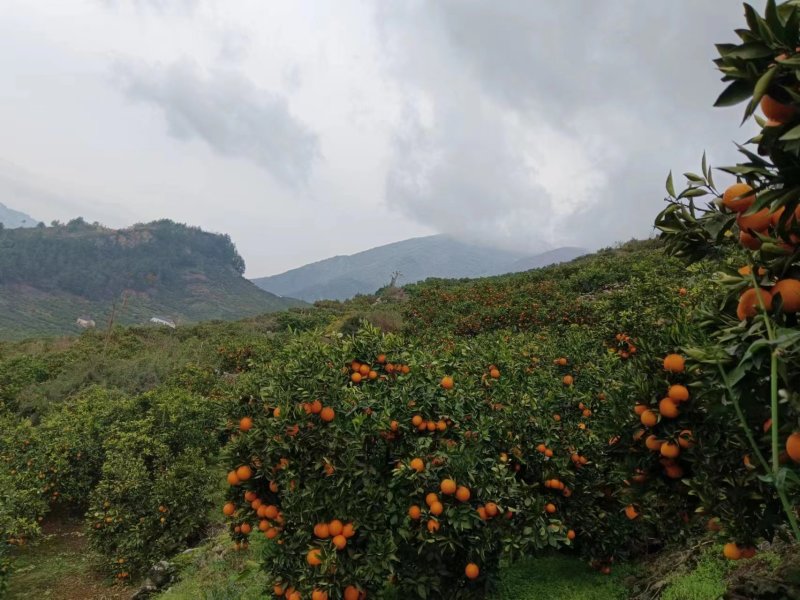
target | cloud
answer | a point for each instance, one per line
(160, 6)
(531, 124)
(229, 113)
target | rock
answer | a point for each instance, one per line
(160, 575)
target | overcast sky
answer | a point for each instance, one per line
(309, 128)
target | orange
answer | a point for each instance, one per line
(327, 414)
(431, 426)
(462, 493)
(416, 420)
(335, 527)
(567, 380)
(448, 487)
(678, 393)
(793, 446)
(639, 409)
(491, 509)
(246, 528)
(417, 465)
(748, 241)
(670, 450)
(316, 407)
(249, 496)
(364, 370)
(436, 509)
(228, 509)
(394, 425)
(668, 408)
(348, 530)
(277, 589)
(653, 443)
(319, 595)
(776, 111)
(674, 363)
(355, 377)
(447, 382)
(351, 592)
(431, 498)
(246, 424)
(749, 304)
(685, 439)
(758, 221)
(414, 512)
(233, 478)
(276, 412)
(339, 541)
(631, 512)
(731, 551)
(549, 453)
(472, 571)
(313, 558)
(271, 512)
(738, 197)
(494, 374)
(321, 531)
(571, 534)
(789, 290)
(441, 426)
(244, 473)
(433, 525)
(648, 418)
(674, 471)
(561, 361)
(550, 507)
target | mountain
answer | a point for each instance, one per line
(12, 219)
(343, 277)
(52, 276)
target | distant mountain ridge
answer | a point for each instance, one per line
(12, 219)
(342, 277)
(51, 277)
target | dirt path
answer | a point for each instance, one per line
(59, 566)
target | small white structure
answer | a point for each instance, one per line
(85, 323)
(164, 322)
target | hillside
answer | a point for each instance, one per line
(342, 277)
(11, 219)
(50, 277)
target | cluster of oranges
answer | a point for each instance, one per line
(624, 347)
(423, 425)
(363, 371)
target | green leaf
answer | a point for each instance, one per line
(792, 134)
(761, 87)
(670, 186)
(750, 51)
(738, 91)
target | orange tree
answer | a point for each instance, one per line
(748, 371)
(375, 463)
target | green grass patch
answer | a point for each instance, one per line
(560, 578)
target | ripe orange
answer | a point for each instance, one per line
(351, 592)
(748, 241)
(327, 414)
(431, 498)
(271, 512)
(364, 370)
(339, 541)
(448, 487)
(228, 509)
(793, 446)
(631, 512)
(491, 509)
(668, 408)
(561, 361)
(494, 374)
(789, 290)
(462, 493)
(472, 571)
(653, 443)
(244, 473)
(639, 409)
(550, 507)
(316, 407)
(321, 531)
(678, 393)
(571, 534)
(670, 450)
(738, 197)
(674, 363)
(276, 412)
(313, 557)
(348, 530)
(758, 221)
(685, 439)
(433, 525)
(749, 305)
(731, 551)
(441, 425)
(567, 380)
(436, 509)
(447, 382)
(356, 377)
(335, 527)
(233, 478)
(319, 595)
(246, 424)
(414, 512)
(417, 465)
(776, 111)
(246, 528)
(416, 420)
(648, 418)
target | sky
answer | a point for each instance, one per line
(310, 128)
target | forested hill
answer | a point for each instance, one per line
(51, 276)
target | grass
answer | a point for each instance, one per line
(59, 566)
(560, 578)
